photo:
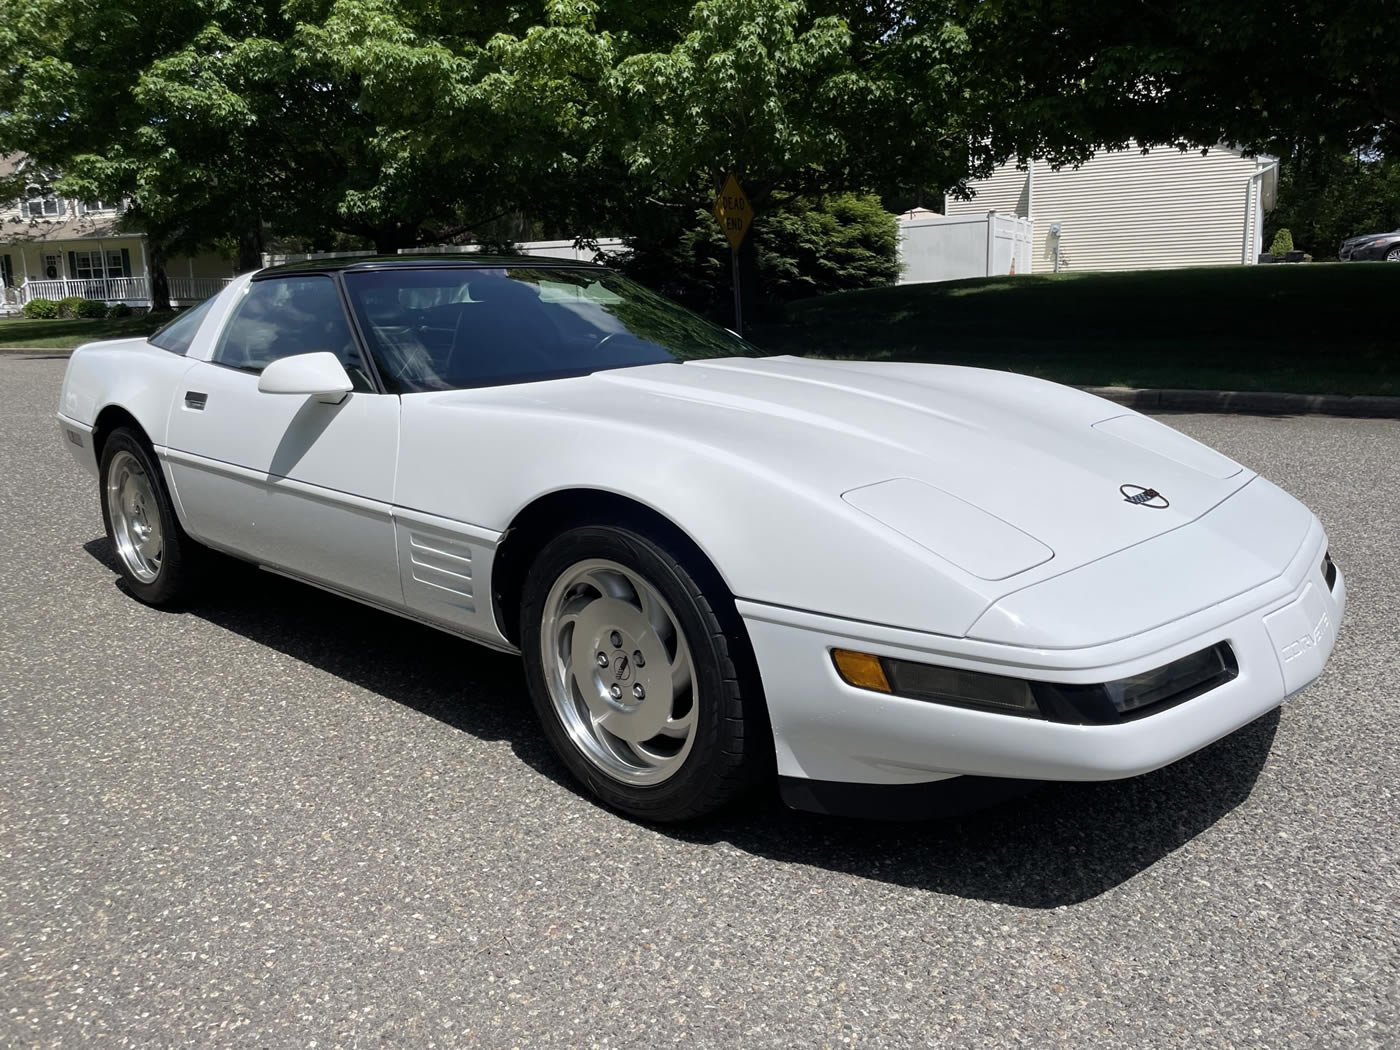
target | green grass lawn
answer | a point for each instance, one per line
(64, 335)
(1310, 328)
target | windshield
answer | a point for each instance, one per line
(449, 328)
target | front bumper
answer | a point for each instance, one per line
(1370, 253)
(825, 730)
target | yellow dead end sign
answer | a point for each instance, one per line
(733, 212)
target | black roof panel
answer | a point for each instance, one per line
(350, 263)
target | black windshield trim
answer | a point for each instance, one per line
(358, 264)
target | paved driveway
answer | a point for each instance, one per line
(284, 820)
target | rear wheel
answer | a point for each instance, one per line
(632, 671)
(153, 553)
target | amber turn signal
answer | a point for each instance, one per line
(861, 670)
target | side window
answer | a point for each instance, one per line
(283, 316)
(177, 335)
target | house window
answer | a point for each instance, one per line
(41, 203)
(88, 266)
(91, 207)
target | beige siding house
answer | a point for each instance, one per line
(52, 247)
(1128, 210)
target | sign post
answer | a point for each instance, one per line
(734, 214)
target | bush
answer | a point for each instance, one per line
(1282, 244)
(814, 248)
(801, 247)
(119, 310)
(68, 305)
(92, 309)
(41, 309)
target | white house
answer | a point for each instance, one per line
(52, 247)
(1129, 210)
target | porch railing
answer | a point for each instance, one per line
(183, 290)
(106, 289)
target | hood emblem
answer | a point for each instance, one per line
(1144, 497)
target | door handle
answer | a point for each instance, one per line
(194, 399)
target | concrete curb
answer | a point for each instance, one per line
(1251, 402)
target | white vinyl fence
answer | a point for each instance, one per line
(957, 246)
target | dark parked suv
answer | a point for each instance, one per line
(1372, 247)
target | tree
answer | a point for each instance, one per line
(802, 247)
(1260, 74)
(398, 122)
(1327, 195)
(219, 119)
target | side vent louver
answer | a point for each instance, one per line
(444, 564)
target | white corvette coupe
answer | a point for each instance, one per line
(898, 586)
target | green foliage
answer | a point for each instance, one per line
(1187, 72)
(91, 309)
(393, 123)
(117, 310)
(1282, 243)
(801, 247)
(839, 243)
(68, 305)
(41, 309)
(405, 121)
(1327, 195)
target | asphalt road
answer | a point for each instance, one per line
(283, 820)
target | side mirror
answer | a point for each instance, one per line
(320, 375)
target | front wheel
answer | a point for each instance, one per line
(153, 553)
(633, 672)
(1393, 255)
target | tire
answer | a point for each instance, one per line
(1393, 255)
(157, 560)
(673, 736)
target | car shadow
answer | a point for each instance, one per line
(1060, 844)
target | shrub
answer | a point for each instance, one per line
(801, 247)
(92, 309)
(811, 248)
(42, 309)
(119, 310)
(1282, 244)
(68, 305)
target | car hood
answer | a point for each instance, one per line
(903, 494)
(1056, 465)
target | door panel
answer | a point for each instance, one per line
(287, 480)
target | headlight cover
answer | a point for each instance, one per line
(1104, 703)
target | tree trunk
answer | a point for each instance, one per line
(160, 282)
(388, 239)
(250, 246)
